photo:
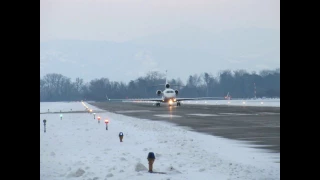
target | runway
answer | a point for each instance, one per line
(258, 125)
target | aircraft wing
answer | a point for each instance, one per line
(200, 98)
(151, 99)
(208, 98)
(178, 99)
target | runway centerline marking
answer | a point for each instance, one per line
(133, 111)
(167, 115)
(205, 114)
(236, 114)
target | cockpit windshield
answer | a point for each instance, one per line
(169, 91)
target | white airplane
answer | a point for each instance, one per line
(170, 96)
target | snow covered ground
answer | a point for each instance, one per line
(78, 147)
(63, 106)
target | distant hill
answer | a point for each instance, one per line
(182, 52)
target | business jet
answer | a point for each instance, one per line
(170, 96)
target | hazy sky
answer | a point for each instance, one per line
(121, 20)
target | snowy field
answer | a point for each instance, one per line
(63, 106)
(245, 102)
(78, 147)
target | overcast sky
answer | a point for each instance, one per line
(121, 20)
(124, 20)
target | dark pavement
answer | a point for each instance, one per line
(259, 125)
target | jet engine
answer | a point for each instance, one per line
(176, 91)
(158, 92)
(167, 85)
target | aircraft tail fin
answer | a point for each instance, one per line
(166, 77)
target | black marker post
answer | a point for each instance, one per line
(121, 136)
(44, 124)
(151, 159)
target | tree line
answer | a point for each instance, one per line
(239, 84)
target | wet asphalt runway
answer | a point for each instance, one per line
(259, 125)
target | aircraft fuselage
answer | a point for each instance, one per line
(169, 96)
